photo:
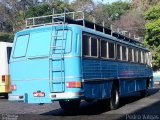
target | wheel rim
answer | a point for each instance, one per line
(116, 98)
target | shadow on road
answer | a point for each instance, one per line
(150, 112)
(100, 107)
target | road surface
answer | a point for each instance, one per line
(133, 107)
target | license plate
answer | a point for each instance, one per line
(39, 94)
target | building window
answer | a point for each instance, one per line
(111, 50)
(103, 49)
(124, 53)
(118, 52)
(94, 47)
(86, 45)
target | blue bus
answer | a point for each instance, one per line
(69, 60)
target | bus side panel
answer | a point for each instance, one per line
(132, 77)
(99, 90)
(95, 74)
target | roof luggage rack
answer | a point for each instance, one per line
(77, 18)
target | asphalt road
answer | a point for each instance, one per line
(133, 107)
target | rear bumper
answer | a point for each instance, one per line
(19, 98)
(66, 95)
(52, 97)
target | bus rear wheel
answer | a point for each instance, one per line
(70, 105)
(115, 98)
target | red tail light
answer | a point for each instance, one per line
(13, 87)
(3, 78)
(73, 85)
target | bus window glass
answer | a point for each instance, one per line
(104, 49)
(139, 57)
(9, 49)
(135, 56)
(144, 58)
(111, 50)
(124, 53)
(130, 57)
(39, 44)
(86, 46)
(94, 47)
(21, 46)
(118, 52)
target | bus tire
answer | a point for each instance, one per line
(6, 96)
(69, 105)
(115, 98)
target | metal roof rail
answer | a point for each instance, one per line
(78, 18)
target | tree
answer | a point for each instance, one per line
(47, 8)
(116, 9)
(109, 13)
(152, 36)
(132, 23)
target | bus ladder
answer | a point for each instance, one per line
(57, 54)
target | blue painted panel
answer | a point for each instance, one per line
(130, 86)
(108, 68)
(98, 90)
(27, 88)
(140, 84)
(30, 69)
(100, 69)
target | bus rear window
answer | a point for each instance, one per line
(21, 46)
(39, 44)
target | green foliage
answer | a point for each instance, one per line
(153, 13)
(6, 37)
(116, 9)
(46, 9)
(152, 36)
(40, 10)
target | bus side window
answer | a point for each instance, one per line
(111, 50)
(118, 52)
(144, 57)
(139, 56)
(124, 53)
(135, 56)
(130, 54)
(94, 47)
(86, 45)
(103, 49)
(9, 49)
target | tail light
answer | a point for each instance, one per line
(73, 85)
(3, 78)
(13, 87)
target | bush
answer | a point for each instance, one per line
(6, 37)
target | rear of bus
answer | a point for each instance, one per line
(5, 51)
(42, 71)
